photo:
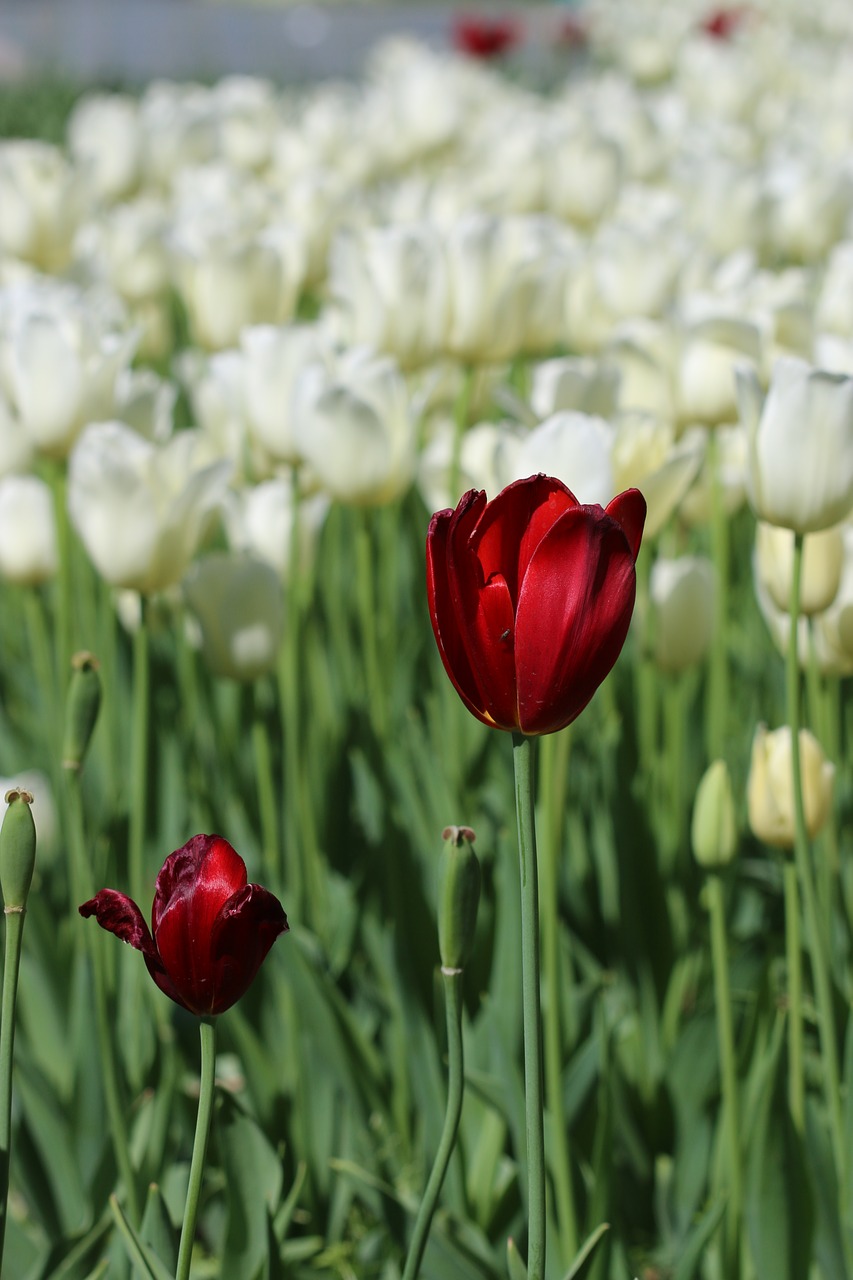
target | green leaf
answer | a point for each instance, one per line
(516, 1268)
(697, 1240)
(253, 1180)
(146, 1263)
(156, 1228)
(587, 1249)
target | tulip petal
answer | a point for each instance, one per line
(244, 931)
(120, 915)
(445, 611)
(572, 618)
(629, 510)
(514, 523)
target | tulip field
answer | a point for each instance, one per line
(426, 621)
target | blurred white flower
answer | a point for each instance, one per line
(141, 508)
(683, 595)
(273, 357)
(770, 788)
(28, 546)
(574, 447)
(574, 382)
(823, 559)
(239, 606)
(647, 455)
(354, 425)
(260, 521)
(709, 350)
(105, 141)
(40, 195)
(731, 450)
(488, 459)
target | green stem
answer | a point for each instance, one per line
(266, 787)
(58, 485)
(718, 673)
(139, 757)
(14, 936)
(40, 649)
(523, 748)
(728, 1071)
(817, 953)
(374, 680)
(81, 880)
(452, 979)
(555, 762)
(207, 1028)
(794, 958)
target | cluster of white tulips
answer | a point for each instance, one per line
(438, 277)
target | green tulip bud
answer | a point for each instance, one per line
(458, 897)
(17, 849)
(81, 709)
(714, 832)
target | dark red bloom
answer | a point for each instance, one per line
(484, 37)
(211, 930)
(722, 23)
(530, 597)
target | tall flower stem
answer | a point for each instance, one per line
(452, 981)
(555, 761)
(14, 936)
(728, 1072)
(522, 753)
(718, 672)
(367, 608)
(139, 755)
(817, 952)
(794, 961)
(207, 1028)
(266, 787)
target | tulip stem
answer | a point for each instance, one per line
(367, 606)
(555, 763)
(452, 980)
(207, 1029)
(139, 755)
(522, 753)
(728, 1072)
(794, 959)
(820, 970)
(14, 936)
(718, 674)
(266, 787)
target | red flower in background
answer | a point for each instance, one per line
(530, 597)
(210, 929)
(723, 23)
(484, 37)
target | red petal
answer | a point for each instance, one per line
(514, 523)
(247, 927)
(572, 618)
(629, 510)
(120, 915)
(445, 612)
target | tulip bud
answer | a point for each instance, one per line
(458, 897)
(770, 788)
(17, 849)
(683, 594)
(81, 709)
(713, 832)
(823, 560)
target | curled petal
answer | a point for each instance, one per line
(629, 510)
(244, 932)
(120, 915)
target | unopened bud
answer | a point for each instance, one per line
(17, 849)
(81, 709)
(458, 897)
(714, 830)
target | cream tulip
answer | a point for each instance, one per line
(823, 559)
(710, 350)
(770, 789)
(105, 141)
(799, 446)
(647, 455)
(28, 547)
(41, 199)
(574, 447)
(239, 606)
(141, 508)
(259, 520)
(273, 357)
(354, 425)
(574, 382)
(683, 595)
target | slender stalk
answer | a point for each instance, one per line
(42, 659)
(14, 936)
(555, 753)
(63, 578)
(794, 958)
(523, 748)
(139, 756)
(452, 980)
(817, 953)
(266, 787)
(81, 881)
(374, 680)
(728, 1071)
(718, 672)
(207, 1028)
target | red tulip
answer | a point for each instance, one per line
(211, 930)
(530, 597)
(485, 37)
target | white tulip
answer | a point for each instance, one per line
(770, 788)
(239, 606)
(273, 359)
(40, 196)
(141, 508)
(105, 141)
(705, 373)
(488, 459)
(574, 447)
(683, 595)
(28, 545)
(354, 425)
(800, 446)
(731, 449)
(260, 521)
(823, 559)
(646, 455)
(574, 382)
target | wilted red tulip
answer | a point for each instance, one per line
(211, 930)
(483, 37)
(723, 23)
(530, 597)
